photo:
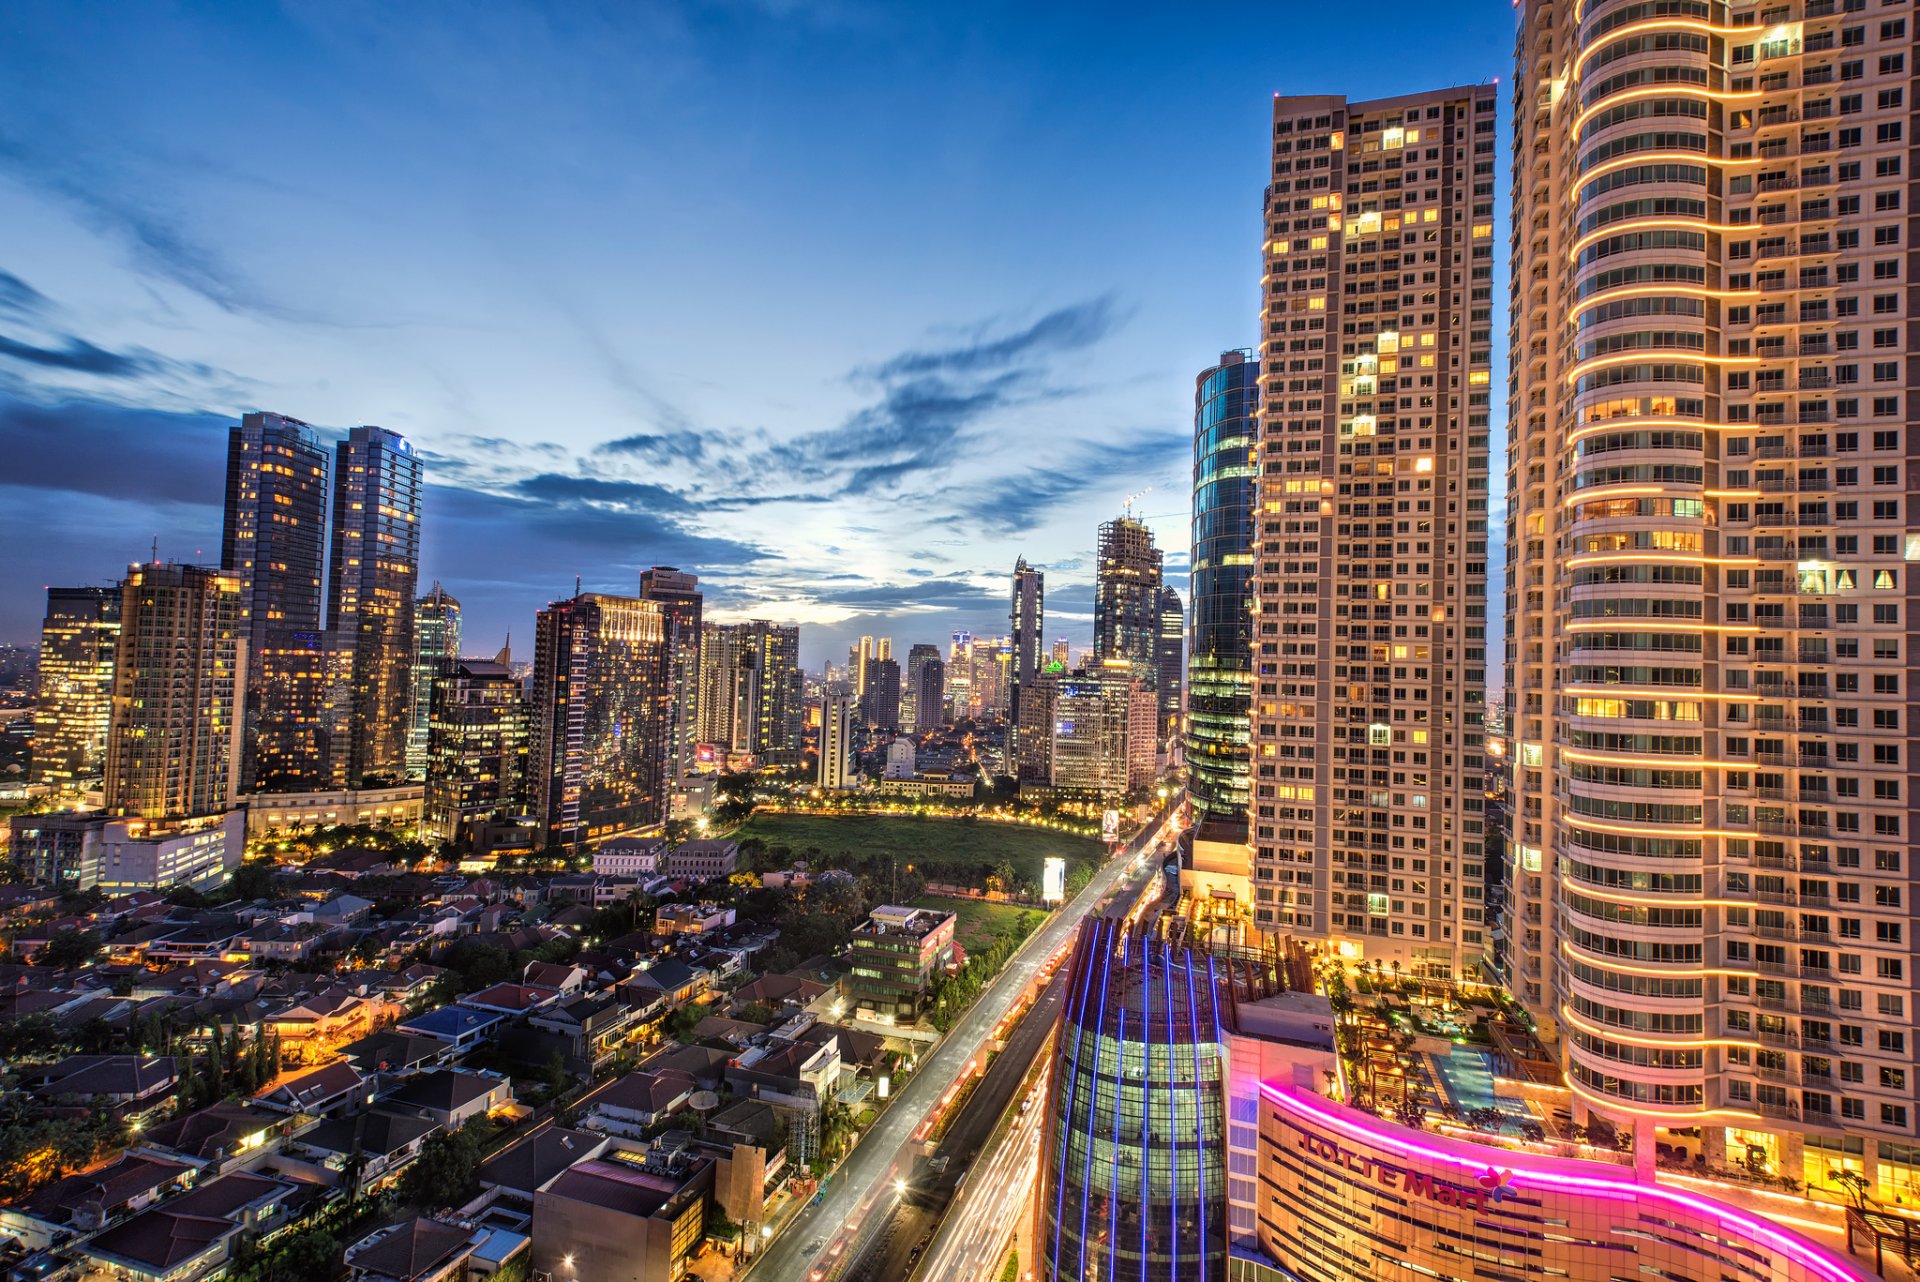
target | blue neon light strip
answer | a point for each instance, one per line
(1146, 1099)
(1093, 1100)
(1068, 1078)
(1173, 1128)
(1200, 1127)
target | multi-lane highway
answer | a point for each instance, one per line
(872, 1178)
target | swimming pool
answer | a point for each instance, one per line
(1466, 1075)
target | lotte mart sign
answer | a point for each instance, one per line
(1494, 1186)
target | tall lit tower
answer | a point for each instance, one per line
(77, 643)
(1370, 577)
(836, 738)
(678, 594)
(173, 748)
(1126, 600)
(1026, 618)
(1169, 659)
(1710, 588)
(436, 643)
(370, 594)
(1226, 425)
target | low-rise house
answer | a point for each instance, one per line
(210, 937)
(623, 1217)
(640, 1100)
(691, 919)
(778, 991)
(207, 1139)
(451, 1097)
(677, 981)
(432, 1250)
(395, 1055)
(704, 859)
(191, 1236)
(87, 1201)
(534, 1161)
(278, 942)
(385, 1139)
(560, 976)
(460, 1027)
(132, 1083)
(314, 1028)
(511, 999)
(587, 1031)
(319, 1091)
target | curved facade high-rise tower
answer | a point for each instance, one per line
(1135, 1181)
(1226, 425)
(1709, 587)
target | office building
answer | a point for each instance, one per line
(77, 643)
(273, 538)
(302, 693)
(880, 704)
(179, 683)
(1370, 579)
(1170, 661)
(959, 691)
(923, 699)
(678, 594)
(1128, 608)
(752, 697)
(597, 765)
(1226, 426)
(897, 954)
(375, 571)
(859, 655)
(1026, 620)
(1089, 734)
(80, 851)
(836, 739)
(1709, 548)
(436, 642)
(479, 740)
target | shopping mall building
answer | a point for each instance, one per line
(1196, 1135)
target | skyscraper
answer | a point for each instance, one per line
(836, 738)
(1126, 600)
(436, 643)
(1710, 584)
(1088, 734)
(960, 692)
(478, 743)
(858, 656)
(1226, 408)
(179, 682)
(273, 539)
(1062, 652)
(598, 763)
(1027, 618)
(77, 643)
(275, 532)
(370, 594)
(1370, 583)
(301, 695)
(1169, 660)
(752, 697)
(678, 594)
(922, 701)
(880, 705)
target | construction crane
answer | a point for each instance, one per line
(1126, 508)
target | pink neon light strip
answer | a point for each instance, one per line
(1808, 1253)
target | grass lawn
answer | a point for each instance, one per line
(952, 850)
(980, 922)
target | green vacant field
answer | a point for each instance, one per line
(951, 850)
(980, 922)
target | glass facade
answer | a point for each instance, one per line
(1219, 655)
(1136, 1179)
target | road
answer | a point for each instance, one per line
(972, 1242)
(865, 1181)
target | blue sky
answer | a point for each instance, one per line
(841, 306)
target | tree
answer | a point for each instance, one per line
(252, 880)
(1852, 1183)
(309, 1256)
(70, 949)
(444, 1173)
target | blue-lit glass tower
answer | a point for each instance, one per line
(1136, 1160)
(1220, 649)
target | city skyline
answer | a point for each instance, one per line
(580, 416)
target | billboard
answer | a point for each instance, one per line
(1053, 879)
(1110, 827)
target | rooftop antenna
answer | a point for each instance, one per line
(576, 585)
(1126, 508)
(156, 549)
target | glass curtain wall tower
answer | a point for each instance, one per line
(1219, 654)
